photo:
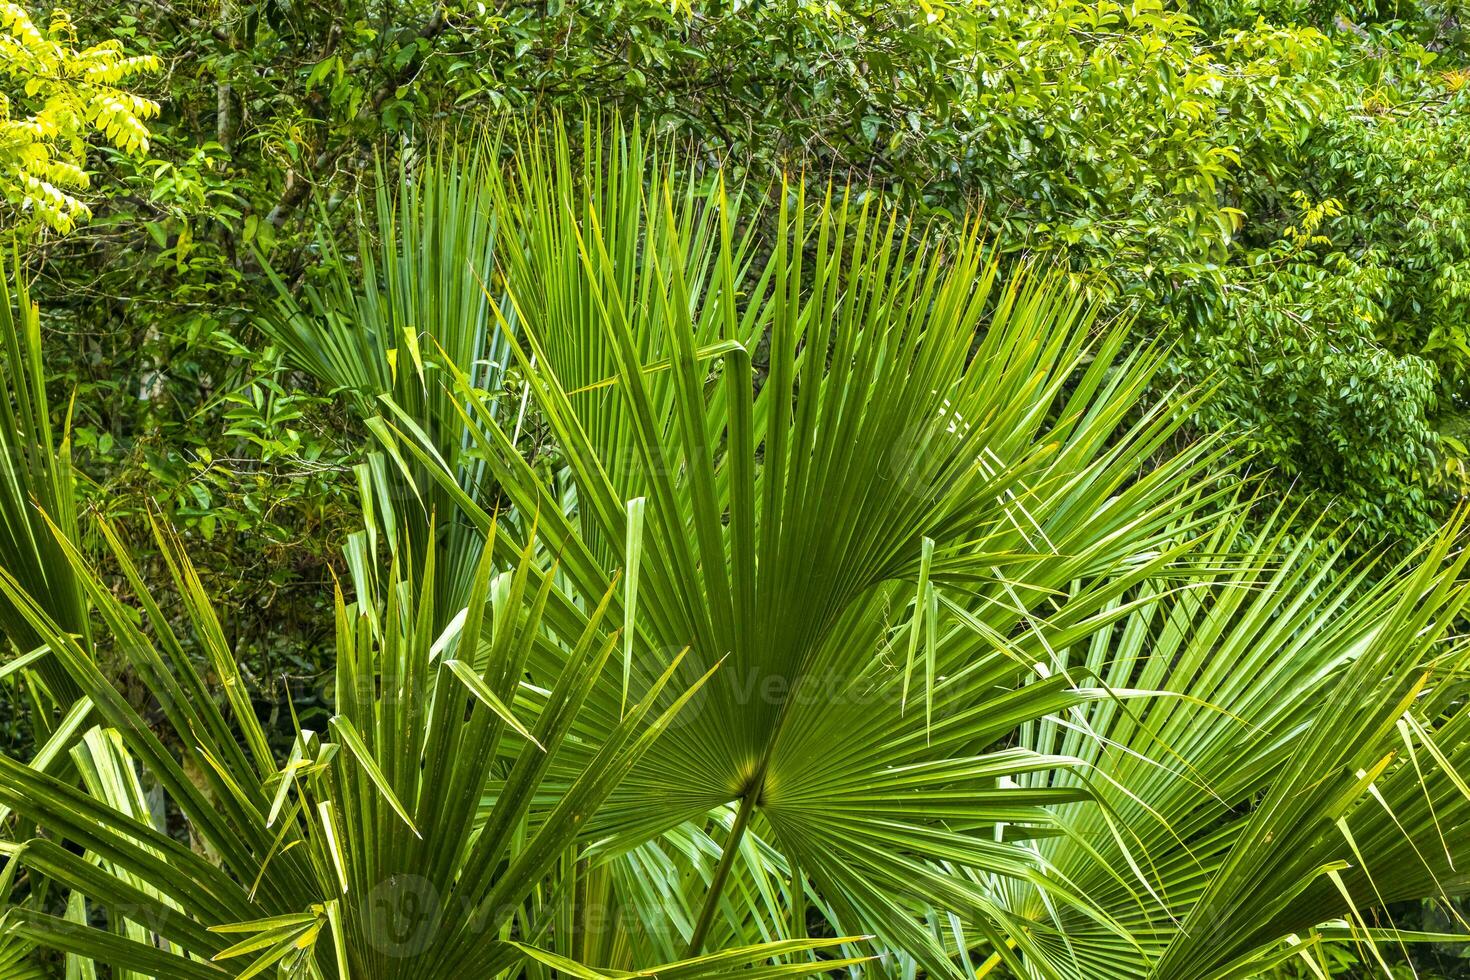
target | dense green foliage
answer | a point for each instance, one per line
(911, 657)
(1170, 158)
(1272, 197)
(1152, 154)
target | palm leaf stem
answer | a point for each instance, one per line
(722, 870)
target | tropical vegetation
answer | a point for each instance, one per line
(894, 489)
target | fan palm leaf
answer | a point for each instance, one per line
(876, 535)
(377, 325)
(36, 486)
(1299, 765)
(360, 854)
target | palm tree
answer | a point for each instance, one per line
(365, 851)
(926, 442)
(36, 487)
(818, 574)
(936, 492)
(1301, 765)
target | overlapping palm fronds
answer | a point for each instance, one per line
(414, 294)
(360, 855)
(1300, 764)
(892, 492)
(875, 537)
(851, 581)
(36, 486)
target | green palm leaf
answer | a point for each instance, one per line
(362, 854)
(380, 324)
(36, 486)
(921, 427)
(1284, 778)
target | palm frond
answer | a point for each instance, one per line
(878, 535)
(362, 852)
(36, 486)
(1279, 779)
(379, 322)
